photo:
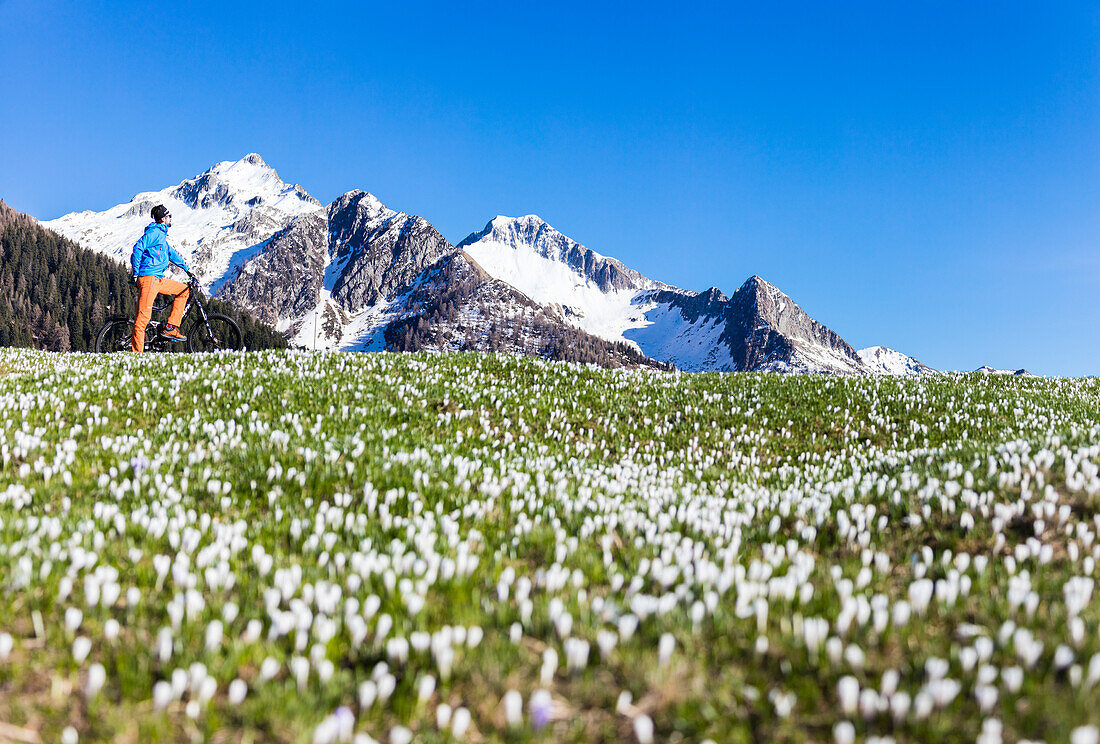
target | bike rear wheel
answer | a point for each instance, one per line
(115, 336)
(218, 332)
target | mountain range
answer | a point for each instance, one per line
(358, 275)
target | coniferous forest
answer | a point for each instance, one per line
(55, 295)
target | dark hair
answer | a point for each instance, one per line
(159, 213)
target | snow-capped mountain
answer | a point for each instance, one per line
(987, 370)
(884, 361)
(356, 274)
(759, 328)
(596, 294)
(220, 218)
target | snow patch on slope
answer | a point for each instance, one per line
(579, 301)
(668, 336)
(810, 358)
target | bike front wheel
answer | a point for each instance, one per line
(218, 332)
(116, 335)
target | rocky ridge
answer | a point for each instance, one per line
(764, 330)
(376, 253)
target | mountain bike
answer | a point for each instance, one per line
(205, 332)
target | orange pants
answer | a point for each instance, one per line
(148, 289)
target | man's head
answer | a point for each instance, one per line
(162, 215)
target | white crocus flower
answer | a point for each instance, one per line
(97, 677)
(238, 690)
(460, 722)
(82, 646)
(643, 729)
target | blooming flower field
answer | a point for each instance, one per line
(300, 547)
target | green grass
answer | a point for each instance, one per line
(728, 511)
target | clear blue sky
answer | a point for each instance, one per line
(922, 175)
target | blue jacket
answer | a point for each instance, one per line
(152, 252)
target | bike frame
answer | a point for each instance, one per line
(193, 300)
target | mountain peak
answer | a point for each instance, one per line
(241, 185)
(250, 167)
(350, 212)
(528, 219)
(525, 229)
(755, 282)
(547, 266)
(221, 216)
(357, 196)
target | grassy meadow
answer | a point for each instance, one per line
(332, 547)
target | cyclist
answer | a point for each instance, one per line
(149, 262)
